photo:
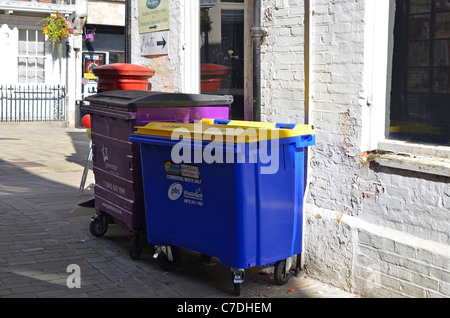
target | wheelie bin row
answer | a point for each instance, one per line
(124, 101)
(116, 161)
(246, 210)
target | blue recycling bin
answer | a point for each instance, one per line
(228, 189)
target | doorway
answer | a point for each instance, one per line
(222, 52)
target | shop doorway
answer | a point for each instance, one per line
(222, 52)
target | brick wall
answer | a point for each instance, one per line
(370, 229)
(282, 64)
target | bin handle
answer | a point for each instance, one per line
(305, 141)
(285, 126)
(221, 121)
(226, 122)
(110, 113)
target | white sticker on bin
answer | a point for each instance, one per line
(175, 191)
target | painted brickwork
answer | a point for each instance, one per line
(373, 230)
(282, 67)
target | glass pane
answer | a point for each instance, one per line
(32, 48)
(40, 64)
(40, 49)
(40, 70)
(31, 65)
(40, 77)
(31, 70)
(22, 35)
(419, 131)
(422, 120)
(22, 42)
(419, 27)
(442, 53)
(418, 80)
(41, 44)
(441, 82)
(441, 117)
(419, 54)
(41, 36)
(442, 28)
(416, 105)
(31, 76)
(222, 53)
(32, 35)
(420, 6)
(22, 63)
(22, 76)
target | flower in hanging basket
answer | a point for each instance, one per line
(57, 28)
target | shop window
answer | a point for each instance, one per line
(420, 97)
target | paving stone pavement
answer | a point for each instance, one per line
(43, 230)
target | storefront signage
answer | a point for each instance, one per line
(155, 43)
(153, 16)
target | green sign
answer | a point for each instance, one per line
(153, 15)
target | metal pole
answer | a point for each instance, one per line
(257, 33)
(127, 31)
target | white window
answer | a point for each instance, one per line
(414, 136)
(31, 56)
(420, 100)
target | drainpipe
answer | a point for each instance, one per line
(127, 31)
(307, 156)
(307, 60)
(257, 33)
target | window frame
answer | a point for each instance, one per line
(29, 57)
(430, 101)
(379, 43)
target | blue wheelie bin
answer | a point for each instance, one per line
(228, 189)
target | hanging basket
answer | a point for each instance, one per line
(57, 28)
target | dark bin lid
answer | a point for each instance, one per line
(131, 99)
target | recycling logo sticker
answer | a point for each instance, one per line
(175, 191)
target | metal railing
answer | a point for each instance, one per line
(32, 103)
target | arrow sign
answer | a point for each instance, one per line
(163, 43)
(155, 43)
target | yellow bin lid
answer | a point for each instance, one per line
(233, 131)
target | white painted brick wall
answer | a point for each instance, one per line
(373, 230)
(282, 64)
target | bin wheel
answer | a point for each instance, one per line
(136, 247)
(98, 226)
(237, 276)
(165, 263)
(237, 289)
(281, 275)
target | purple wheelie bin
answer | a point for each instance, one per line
(118, 190)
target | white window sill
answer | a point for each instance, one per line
(421, 158)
